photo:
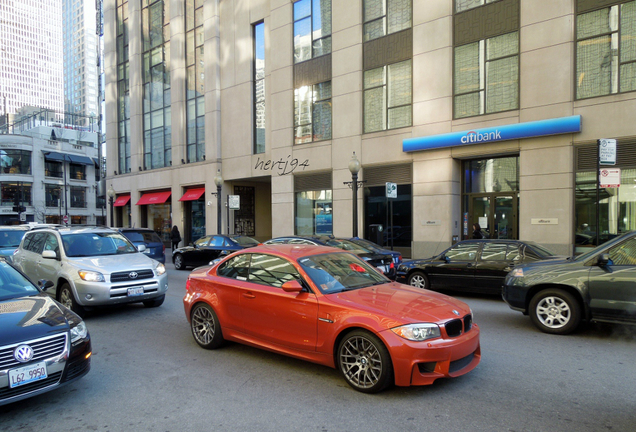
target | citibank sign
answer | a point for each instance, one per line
(561, 125)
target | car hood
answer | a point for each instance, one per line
(32, 317)
(397, 304)
(114, 263)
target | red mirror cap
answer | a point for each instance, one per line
(292, 286)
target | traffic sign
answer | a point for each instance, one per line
(610, 177)
(234, 202)
(391, 190)
(607, 151)
(65, 219)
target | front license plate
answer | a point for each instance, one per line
(135, 291)
(27, 374)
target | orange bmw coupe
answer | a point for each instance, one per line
(331, 308)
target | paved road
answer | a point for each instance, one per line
(148, 374)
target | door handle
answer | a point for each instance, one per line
(249, 295)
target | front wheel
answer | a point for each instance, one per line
(66, 297)
(205, 327)
(555, 311)
(365, 362)
(178, 262)
(419, 279)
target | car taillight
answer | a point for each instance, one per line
(188, 285)
(392, 265)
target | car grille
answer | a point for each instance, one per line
(461, 363)
(42, 349)
(52, 379)
(77, 369)
(125, 276)
(456, 327)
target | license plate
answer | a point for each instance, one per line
(382, 268)
(27, 374)
(135, 291)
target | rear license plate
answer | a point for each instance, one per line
(135, 291)
(382, 268)
(27, 374)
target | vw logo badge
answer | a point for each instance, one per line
(23, 353)
(455, 312)
(133, 275)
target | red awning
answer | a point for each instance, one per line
(154, 198)
(121, 200)
(192, 194)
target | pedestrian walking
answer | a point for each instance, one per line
(175, 236)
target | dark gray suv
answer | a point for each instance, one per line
(599, 285)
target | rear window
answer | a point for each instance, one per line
(144, 236)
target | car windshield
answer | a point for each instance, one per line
(96, 244)
(338, 272)
(13, 284)
(540, 250)
(11, 238)
(245, 241)
(142, 236)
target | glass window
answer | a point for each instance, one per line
(486, 76)
(624, 254)
(35, 242)
(271, 270)
(383, 17)
(14, 193)
(236, 268)
(514, 253)
(494, 252)
(77, 171)
(491, 175)
(314, 212)
(53, 194)
(376, 213)
(259, 88)
(123, 89)
(78, 197)
(312, 29)
(463, 252)
(462, 5)
(388, 97)
(15, 161)
(312, 113)
(195, 87)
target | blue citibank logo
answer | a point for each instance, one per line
(555, 126)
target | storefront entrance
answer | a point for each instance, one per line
(491, 197)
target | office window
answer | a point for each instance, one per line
(312, 29)
(487, 76)
(53, 194)
(259, 87)
(314, 212)
(606, 51)
(388, 97)
(123, 88)
(312, 113)
(383, 17)
(462, 5)
(195, 81)
(15, 161)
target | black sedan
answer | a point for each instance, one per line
(209, 248)
(472, 265)
(382, 261)
(43, 345)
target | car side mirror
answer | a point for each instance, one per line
(141, 248)
(603, 260)
(292, 286)
(49, 254)
(446, 259)
(45, 284)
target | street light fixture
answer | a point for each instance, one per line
(218, 181)
(111, 196)
(354, 184)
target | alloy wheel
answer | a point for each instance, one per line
(553, 312)
(361, 362)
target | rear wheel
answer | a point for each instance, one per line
(66, 297)
(365, 362)
(419, 279)
(155, 302)
(205, 327)
(178, 262)
(555, 311)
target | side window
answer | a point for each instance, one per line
(236, 268)
(216, 241)
(463, 252)
(271, 270)
(51, 243)
(514, 253)
(35, 243)
(624, 254)
(494, 252)
(203, 241)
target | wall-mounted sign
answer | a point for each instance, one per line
(607, 151)
(431, 222)
(234, 202)
(610, 177)
(544, 221)
(561, 125)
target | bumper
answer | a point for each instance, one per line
(101, 294)
(515, 296)
(421, 363)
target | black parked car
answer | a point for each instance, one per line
(208, 248)
(155, 248)
(368, 244)
(43, 345)
(599, 285)
(471, 265)
(382, 261)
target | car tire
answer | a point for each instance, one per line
(155, 302)
(178, 262)
(205, 327)
(67, 298)
(419, 279)
(555, 311)
(365, 362)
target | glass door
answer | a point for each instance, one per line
(504, 218)
(480, 216)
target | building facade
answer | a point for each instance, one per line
(478, 111)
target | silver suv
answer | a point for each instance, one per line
(91, 267)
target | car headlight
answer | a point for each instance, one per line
(517, 272)
(91, 276)
(78, 332)
(160, 269)
(417, 332)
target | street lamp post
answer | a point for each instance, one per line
(111, 196)
(218, 181)
(354, 184)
